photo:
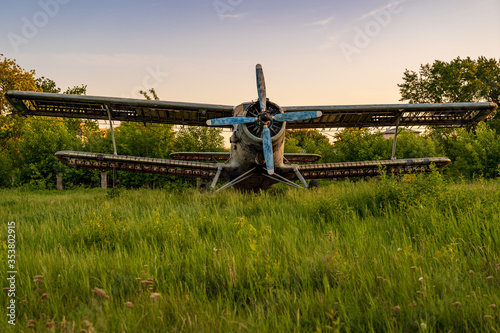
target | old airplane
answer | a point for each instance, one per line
(256, 159)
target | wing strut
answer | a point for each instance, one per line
(217, 175)
(398, 120)
(281, 179)
(235, 181)
(108, 108)
(299, 176)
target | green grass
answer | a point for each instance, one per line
(364, 256)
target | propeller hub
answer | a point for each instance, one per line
(265, 117)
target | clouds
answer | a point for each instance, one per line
(378, 10)
(320, 23)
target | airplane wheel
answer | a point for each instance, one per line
(203, 187)
(313, 184)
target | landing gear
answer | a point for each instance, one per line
(313, 184)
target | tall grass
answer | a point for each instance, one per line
(413, 255)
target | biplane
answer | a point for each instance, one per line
(256, 159)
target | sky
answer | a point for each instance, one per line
(314, 52)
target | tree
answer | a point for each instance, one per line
(310, 142)
(13, 77)
(354, 144)
(460, 80)
(194, 138)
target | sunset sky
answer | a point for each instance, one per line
(313, 52)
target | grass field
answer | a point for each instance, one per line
(408, 256)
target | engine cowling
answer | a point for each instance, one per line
(254, 130)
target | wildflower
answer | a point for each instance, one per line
(45, 296)
(155, 295)
(488, 317)
(145, 266)
(471, 272)
(50, 324)
(489, 278)
(421, 279)
(39, 277)
(456, 304)
(413, 267)
(492, 306)
(129, 305)
(396, 308)
(100, 292)
(423, 325)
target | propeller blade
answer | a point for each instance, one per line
(296, 116)
(230, 121)
(268, 150)
(261, 87)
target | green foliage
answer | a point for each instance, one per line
(310, 142)
(475, 153)
(14, 77)
(460, 80)
(196, 138)
(103, 230)
(47, 85)
(362, 145)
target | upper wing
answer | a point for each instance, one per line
(445, 115)
(121, 109)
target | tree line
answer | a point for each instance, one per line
(28, 144)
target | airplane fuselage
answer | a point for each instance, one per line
(247, 152)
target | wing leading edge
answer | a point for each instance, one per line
(121, 109)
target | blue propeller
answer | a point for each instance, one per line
(264, 119)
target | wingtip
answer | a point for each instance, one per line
(319, 114)
(270, 172)
(209, 122)
(258, 66)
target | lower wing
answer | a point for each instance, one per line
(79, 159)
(370, 168)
